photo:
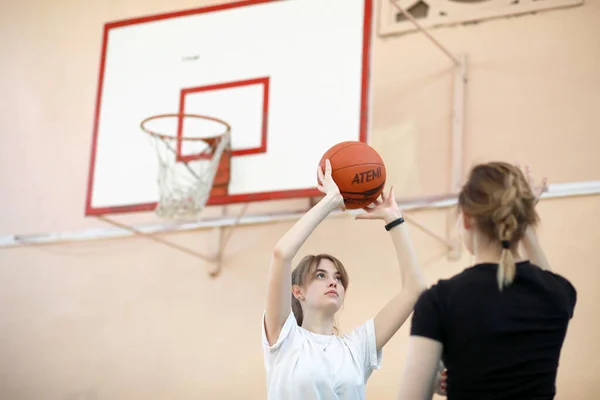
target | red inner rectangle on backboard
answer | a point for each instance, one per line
(262, 148)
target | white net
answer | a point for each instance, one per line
(185, 184)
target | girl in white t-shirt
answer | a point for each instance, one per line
(304, 358)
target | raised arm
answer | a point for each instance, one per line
(530, 243)
(393, 315)
(533, 249)
(279, 280)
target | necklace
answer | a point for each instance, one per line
(316, 339)
(328, 343)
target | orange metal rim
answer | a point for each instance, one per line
(175, 137)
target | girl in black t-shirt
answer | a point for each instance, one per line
(498, 326)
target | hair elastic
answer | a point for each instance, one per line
(505, 244)
(394, 223)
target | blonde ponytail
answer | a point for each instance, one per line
(507, 268)
(506, 231)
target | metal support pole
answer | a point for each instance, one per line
(224, 236)
(458, 130)
(458, 112)
(458, 127)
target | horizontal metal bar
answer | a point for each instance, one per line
(556, 190)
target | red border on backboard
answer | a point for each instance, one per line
(240, 198)
(221, 86)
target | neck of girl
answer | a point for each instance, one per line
(489, 251)
(319, 323)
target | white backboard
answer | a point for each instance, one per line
(291, 77)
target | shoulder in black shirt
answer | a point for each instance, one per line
(498, 344)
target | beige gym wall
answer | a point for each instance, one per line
(131, 319)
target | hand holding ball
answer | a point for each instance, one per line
(358, 171)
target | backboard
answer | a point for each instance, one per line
(291, 77)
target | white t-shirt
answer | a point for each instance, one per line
(307, 366)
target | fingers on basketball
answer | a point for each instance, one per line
(327, 168)
(324, 174)
(391, 196)
(320, 183)
(320, 174)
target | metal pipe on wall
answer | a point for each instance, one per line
(558, 190)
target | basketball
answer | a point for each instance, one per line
(358, 171)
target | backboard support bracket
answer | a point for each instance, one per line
(215, 261)
(224, 236)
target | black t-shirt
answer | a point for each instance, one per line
(498, 344)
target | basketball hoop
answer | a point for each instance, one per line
(186, 181)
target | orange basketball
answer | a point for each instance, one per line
(358, 170)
